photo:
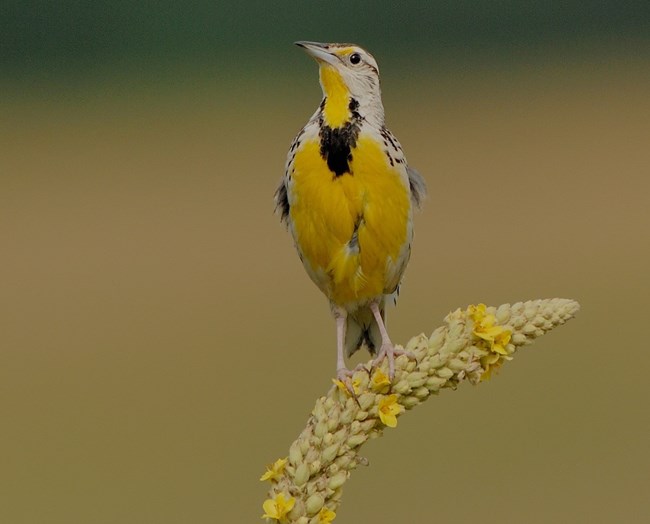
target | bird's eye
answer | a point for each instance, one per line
(355, 58)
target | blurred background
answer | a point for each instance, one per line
(160, 342)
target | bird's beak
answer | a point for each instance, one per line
(319, 52)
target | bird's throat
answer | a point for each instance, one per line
(336, 110)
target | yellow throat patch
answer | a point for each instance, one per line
(336, 110)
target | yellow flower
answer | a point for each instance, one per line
(274, 470)
(497, 337)
(501, 341)
(388, 410)
(325, 516)
(356, 386)
(489, 369)
(476, 312)
(484, 328)
(277, 507)
(379, 380)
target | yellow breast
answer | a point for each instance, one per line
(352, 229)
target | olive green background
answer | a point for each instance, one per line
(160, 342)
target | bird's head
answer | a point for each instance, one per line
(348, 72)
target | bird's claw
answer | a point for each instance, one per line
(344, 375)
(389, 350)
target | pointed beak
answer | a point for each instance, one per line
(319, 52)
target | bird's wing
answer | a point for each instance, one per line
(281, 199)
(417, 186)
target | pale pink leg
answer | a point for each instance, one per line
(342, 372)
(387, 348)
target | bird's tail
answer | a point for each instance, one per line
(362, 330)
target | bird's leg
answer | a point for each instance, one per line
(342, 372)
(387, 348)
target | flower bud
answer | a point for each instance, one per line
(338, 480)
(302, 475)
(356, 440)
(329, 453)
(295, 455)
(314, 504)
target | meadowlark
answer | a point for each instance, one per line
(347, 196)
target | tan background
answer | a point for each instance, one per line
(160, 342)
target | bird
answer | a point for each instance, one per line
(347, 197)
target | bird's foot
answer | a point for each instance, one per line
(388, 350)
(344, 375)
